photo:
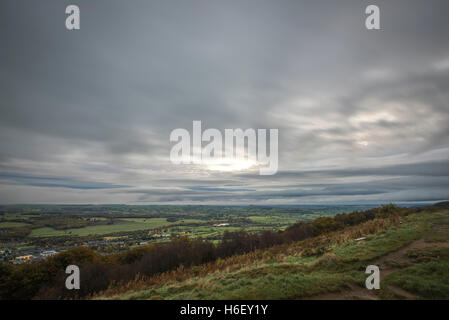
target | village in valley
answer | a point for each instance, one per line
(32, 233)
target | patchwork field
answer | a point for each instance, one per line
(208, 222)
(9, 225)
(123, 225)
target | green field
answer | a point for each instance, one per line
(6, 225)
(32, 222)
(160, 222)
(274, 219)
(205, 231)
(130, 224)
(15, 216)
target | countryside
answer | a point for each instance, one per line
(269, 253)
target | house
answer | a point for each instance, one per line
(160, 235)
(221, 225)
(48, 253)
(23, 259)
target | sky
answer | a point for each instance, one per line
(86, 115)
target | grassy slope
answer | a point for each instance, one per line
(326, 267)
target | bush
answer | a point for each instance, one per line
(325, 224)
(388, 210)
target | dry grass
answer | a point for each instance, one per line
(310, 247)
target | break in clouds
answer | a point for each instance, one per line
(86, 115)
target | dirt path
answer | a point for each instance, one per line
(387, 264)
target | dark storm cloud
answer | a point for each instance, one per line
(95, 107)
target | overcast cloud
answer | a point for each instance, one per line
(85, 116)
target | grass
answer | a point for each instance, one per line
(198, 229)
(10, 225)
(289, 272)
(382, 243)
(15, 216)
(129, 224)
(281, 286)
(427, 276)
(428, 280)
(160, 222)
(41, 224)
(205, 231)
(273, 219)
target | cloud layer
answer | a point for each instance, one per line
(86, 115)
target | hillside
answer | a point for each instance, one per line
(411, 250)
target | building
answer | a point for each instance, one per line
(48, 253)
(221, 225)
(23, 259)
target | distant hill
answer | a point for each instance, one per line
(442, 204)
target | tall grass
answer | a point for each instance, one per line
(301, 249)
